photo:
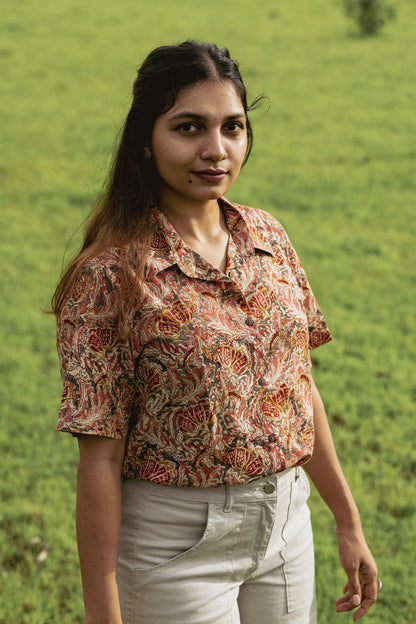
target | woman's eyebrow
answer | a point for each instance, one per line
(189, 115)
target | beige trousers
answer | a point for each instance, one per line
(234, 555)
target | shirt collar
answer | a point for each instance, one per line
(167, 248)
(245, 231)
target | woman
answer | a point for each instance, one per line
(184, 330)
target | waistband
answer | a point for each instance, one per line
(258, 490)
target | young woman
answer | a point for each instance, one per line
(184, 330)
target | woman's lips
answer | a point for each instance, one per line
(211, 175)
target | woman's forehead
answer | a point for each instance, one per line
(206, 97)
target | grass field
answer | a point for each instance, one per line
(334, 160)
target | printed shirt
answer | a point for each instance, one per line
(213, 387)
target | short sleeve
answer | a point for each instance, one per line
(96, 366)
(319, 333)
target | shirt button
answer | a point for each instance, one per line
(262, 381)
(269, 488)
(250, 321)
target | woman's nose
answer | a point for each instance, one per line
(213, 147)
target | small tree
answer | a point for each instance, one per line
(369, 15)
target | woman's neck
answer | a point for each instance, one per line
(198, 224)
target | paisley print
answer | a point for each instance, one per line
(233, 358)
(273, 403)
(193, 420)
(100, 339)
(157, 471)
(213, 386)
(163, 326)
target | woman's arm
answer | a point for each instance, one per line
(325, 471)
(98, 525)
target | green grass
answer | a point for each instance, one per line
(334, 160)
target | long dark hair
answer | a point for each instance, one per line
(121, 216)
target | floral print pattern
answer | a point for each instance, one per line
(213, 386)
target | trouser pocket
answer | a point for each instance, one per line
(161, 528)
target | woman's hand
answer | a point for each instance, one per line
(357, 561)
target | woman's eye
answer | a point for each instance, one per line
(187, 127)
(234, 126)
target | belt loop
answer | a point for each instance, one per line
(297, 472)
(229, 500)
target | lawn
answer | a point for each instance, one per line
(334, 161)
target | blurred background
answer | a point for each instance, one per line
(334, 161)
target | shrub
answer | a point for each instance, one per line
(369, 15)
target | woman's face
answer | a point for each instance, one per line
(199, 144)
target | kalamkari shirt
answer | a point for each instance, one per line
(213, 386)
